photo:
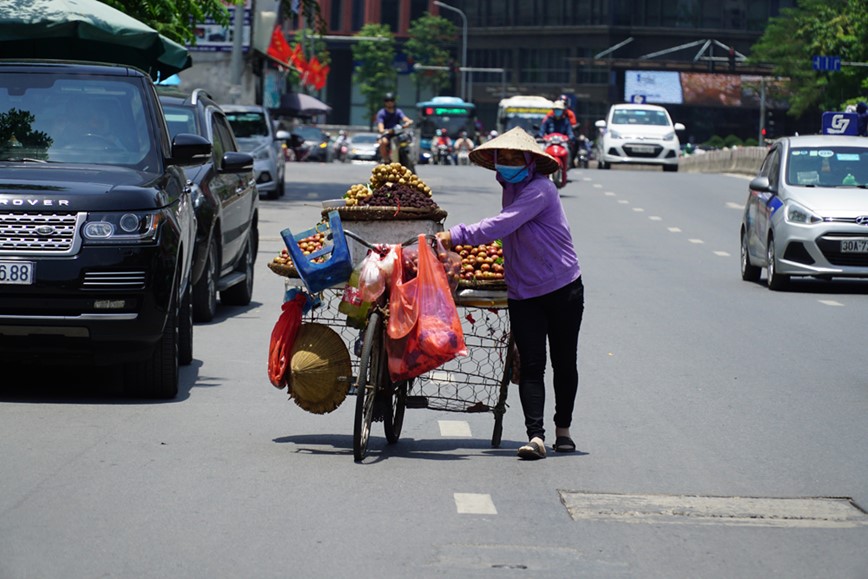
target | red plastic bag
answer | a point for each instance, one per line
(424, 330)
(282, 338)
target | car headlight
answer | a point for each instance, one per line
(614, 134)
(801, 215)
(323, 145)
(669, 136)
(133, 227)
(261, 154)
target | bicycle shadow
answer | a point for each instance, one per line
(446, 449)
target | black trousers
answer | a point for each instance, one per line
(555, 317)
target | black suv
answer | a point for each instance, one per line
(97, 227)
(226, 203)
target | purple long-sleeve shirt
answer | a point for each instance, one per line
(538, 251)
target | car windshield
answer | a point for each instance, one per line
(366, 139)
(309, 133)
(826, 166)
(248, 125)
(75, 119)
(640, 117)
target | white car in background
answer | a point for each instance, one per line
(638, 135)
(256, 135)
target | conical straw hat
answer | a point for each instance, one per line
(516, 139)
(319, 369)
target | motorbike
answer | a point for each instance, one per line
(581, 161)
(463, 157)
(442, 154)
(558, 146)
(400, 147)
(342, 151)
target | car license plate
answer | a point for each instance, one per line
(854, 246)
(641, 148)
(16, 272)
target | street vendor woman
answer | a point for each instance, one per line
(543, 279)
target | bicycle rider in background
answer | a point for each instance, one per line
(389, 117)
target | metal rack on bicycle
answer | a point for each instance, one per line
(475, 383)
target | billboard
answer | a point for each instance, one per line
(703, 89)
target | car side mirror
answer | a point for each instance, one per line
(679, 127)
(236, 162)
(281, 135)
(760, 184)
(190, 149)
(600, 124)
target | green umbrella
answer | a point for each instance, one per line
(86, 30)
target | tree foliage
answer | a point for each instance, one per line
(375, 72)
(824, 28)
(177, 19)
(429, 38)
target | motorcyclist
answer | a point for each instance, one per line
(862, 121)
(389, 117)
(442, 138)
(340, 142)
(558, 122)
(574, 123)
(463, 145)
(492, 134)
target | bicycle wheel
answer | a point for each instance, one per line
(394, 414)
(367, 383)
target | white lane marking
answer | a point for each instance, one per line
(830, 303)
(732, 205)
(638, 210)
(598, 186)
(655, 218)
(697, 241)
(474, 504)
(457, 428)
(674, 229)
(721, 253)
(623, 201)
(609, 193)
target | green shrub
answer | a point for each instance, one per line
(715, 142)
(732, 141)
(750, 142)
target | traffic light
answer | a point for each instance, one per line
(732, 58)
(769, 130)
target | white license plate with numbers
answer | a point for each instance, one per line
(16, 272)
(854, 246)
(641, 148)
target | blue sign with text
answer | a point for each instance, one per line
(835, 123)
(826, 63)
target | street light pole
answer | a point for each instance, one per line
(463, 45)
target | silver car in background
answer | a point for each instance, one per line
(807, 211)
(255, 134)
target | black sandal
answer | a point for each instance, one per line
(564, 444)
(532, 451)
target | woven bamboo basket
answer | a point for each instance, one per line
(319, 369)
(369, 213)
(283, 270)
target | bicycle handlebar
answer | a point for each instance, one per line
(376, 247)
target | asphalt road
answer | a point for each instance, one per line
(721, 428)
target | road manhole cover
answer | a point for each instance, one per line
(800, 512)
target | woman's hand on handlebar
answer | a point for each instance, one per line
(445, 239)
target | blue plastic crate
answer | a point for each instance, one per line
(338, 265)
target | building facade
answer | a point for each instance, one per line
(587, 49)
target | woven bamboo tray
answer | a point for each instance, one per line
(482, 284)
(284, 270)
(368, 213)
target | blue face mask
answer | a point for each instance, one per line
(558, 113)
(512, 174)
